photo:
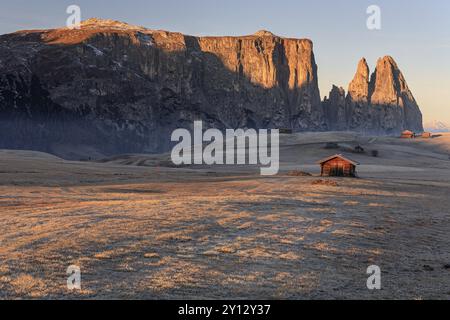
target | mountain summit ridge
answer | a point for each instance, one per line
(109, 23)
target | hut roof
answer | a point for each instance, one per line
(407, 132)
(338, 156)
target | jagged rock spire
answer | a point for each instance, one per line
(382, 105)
(388, 83)
(358, 89)
(388, 87)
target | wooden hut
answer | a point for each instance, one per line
(338, 166)
(359, 149)
(286, 131)
(427, 135)
(407, 135)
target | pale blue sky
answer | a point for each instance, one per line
(415, 32)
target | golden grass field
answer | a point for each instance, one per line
(141, 230)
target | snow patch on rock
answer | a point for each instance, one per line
(96, 50)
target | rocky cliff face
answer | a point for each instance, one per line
(116, 88)
(389, 91)
(383, 104)
(110, 87)
(335, 108)
(358, 89)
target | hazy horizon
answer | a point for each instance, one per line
(416, 34)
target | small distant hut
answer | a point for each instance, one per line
(427, 135)
(338, 166)
(408, 135)
(286, 131)
(359, 149)
(332, 145)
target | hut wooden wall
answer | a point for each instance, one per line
(348, 168)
